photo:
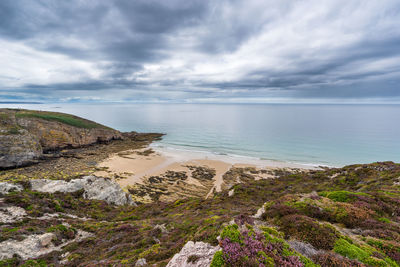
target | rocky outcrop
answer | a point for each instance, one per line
(25, 135)
(54, 135)
(35, 245)
(197, 254)
(94, 188)
(11, 214)
(6, 188)
(19, 149)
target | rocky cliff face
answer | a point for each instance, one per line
(25, 135)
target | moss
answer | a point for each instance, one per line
(363, 254)
(341, 196)
(351, 251)
(218, 259)
(34, 263)
(152, 250)
(232, 232)
(385, 220)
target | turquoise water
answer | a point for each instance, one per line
(333, 135)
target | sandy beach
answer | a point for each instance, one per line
(133, 167)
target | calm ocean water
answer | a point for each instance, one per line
(332, 135)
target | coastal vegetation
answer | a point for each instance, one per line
(311, 219)
(59, 117)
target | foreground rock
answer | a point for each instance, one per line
(11, 214)
(34, 246)
(194, 254)
(6, 188)
(94, 188)
(26, 134)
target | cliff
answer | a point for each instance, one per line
(25, 134)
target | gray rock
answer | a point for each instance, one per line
(19, 149)
(105, 189)
(11, 214)
(45, 240)
(259, 212)
(141, 262)
(204, 253)
(231, 192)
(52, 186)
(162, 228)
(303, 248)
(94, 188)
(6, 188)
(31, 246)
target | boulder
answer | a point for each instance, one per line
(141, 262)
(45, 240)
(197, 254)
(94, 188)
(6, 188)
(34, 246)
(11, 214)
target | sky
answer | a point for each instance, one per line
(200, 51)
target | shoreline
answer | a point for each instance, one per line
(133, 168)
(232, 158)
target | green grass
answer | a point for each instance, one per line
(341, 196)
(63, 118)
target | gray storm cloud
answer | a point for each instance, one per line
(199, 50)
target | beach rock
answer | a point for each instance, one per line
(19, 149)
(202, 254)
(11, 214)
(6, 188)
(94, 188)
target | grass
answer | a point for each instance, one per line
(59, 117)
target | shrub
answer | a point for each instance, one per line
(218, 259)
(335, 260)
(231, 232)
(306, 229)
(341, 196)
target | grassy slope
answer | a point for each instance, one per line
(59, 117)
(355, 214)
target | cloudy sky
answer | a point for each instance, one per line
(200, 51)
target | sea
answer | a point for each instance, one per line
(310, 134)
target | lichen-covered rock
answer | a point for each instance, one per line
(45, 240)
(6, 188)
(94, 188)
(141, 262)
(35, 245)
(11, 214)
(197, 254)
(19, 149)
